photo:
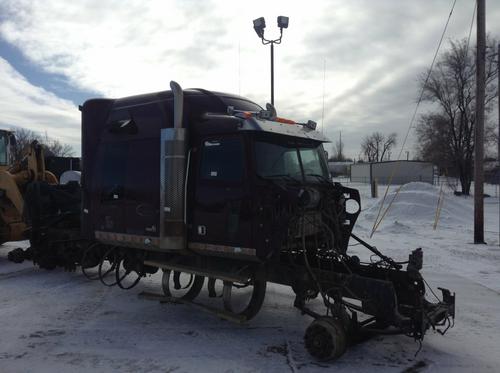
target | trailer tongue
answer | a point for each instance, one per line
(210, 187)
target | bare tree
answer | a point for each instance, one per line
(449, 130)
(377, 146)
(25, 137)
(56, 147)
(432, 133)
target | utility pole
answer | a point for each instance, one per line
(479, 130)
(341, 148)
(498, 151)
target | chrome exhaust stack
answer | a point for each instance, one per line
(172, 178)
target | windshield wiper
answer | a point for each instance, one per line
(321, 178)
(284, 176)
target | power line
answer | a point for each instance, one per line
(471, 25)
(376, 223)
(427, 78)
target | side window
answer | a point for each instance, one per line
(222, 159)
(120, 121)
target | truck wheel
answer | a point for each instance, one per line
(107, 265)
(90, 259)
(181, 285)
(326, 339)
(125, 277)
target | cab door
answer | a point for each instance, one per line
(220, 206)
(109, 186)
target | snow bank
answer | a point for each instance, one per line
(416, 203)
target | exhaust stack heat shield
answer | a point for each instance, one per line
(172, 176)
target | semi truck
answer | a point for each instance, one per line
(211, 188)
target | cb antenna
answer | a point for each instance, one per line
(323, 110)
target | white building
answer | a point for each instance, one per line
(402, 172)
(339, 168)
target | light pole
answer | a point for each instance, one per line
(259, 25)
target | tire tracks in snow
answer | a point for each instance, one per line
(17, 273)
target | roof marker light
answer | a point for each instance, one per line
(284, 120)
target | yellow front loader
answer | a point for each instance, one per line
(14, 177)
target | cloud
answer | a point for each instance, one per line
(116, 48)
(372, 50)
(25, 105)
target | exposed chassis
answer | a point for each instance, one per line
(359, 298)
(370, 299)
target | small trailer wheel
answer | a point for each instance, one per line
(326, 339)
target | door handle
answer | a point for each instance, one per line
(202, 230)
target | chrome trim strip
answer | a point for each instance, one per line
(127, 238)
(222, 248)
(295, 130)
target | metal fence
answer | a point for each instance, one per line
(397, 180)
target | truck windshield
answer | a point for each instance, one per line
(290, 160)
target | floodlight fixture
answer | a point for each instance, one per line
(259, 25)
(282, 22)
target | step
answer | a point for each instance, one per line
(223, 314)
(197, 271)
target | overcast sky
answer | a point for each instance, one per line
(56, 54)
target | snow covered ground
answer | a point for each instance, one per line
(59, 321)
